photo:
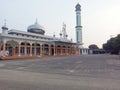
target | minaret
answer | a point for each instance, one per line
(64, 31)
(4, 29)
(78, 24)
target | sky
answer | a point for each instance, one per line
(100, 18)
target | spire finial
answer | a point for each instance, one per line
(64, 30)
(5, 22)
(36, 21)
(78, 7)
(4, 26)
(54, 34)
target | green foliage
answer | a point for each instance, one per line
(93, 46)
(117, 42)
(113, 45)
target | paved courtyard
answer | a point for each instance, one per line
(85, 72)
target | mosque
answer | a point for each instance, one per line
(34, 43)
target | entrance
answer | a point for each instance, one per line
(52, 51)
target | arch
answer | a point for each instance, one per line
(25, 48)
(12, 43)
(58, 46)
(35, 48)
(52, 46)
(46, 45)
(25, 43)
(45, 49)
(11, 47)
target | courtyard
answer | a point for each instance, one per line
(85, 72)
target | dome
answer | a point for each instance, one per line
(36, 28)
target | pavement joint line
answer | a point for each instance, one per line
(76, 66)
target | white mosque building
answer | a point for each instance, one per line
(34, 43)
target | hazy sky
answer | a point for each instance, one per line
(100, 18)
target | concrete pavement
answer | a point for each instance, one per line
(86, 72)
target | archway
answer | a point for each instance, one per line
(12, 47)
(46, 49)
(25, 48)
(52, 50)
(36, 49)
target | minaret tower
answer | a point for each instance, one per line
(78, 24)
(64, 31)
(4, 29)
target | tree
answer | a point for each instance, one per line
(93, 46)
(117, 42)
(112, 45)
(109, 45)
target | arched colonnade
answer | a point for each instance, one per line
(25, 48)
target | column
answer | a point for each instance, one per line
(30, 50)
(54, 51)
(49, 49)
(75, 50)
(41, 50)
(67, 50)
(61, 50)
(13, 51)
(4, 46)
(25, 49)
(70, 50)
(35, 49)
(19, 49)
(79, 51)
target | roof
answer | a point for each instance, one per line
(78, 7)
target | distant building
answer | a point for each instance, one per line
(96, 51)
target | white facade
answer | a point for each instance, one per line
(16, 43)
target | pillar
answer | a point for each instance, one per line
(67, 50)
(61, 50)
(4, 46)
(76, 51)
(54, 50)
(30, 50)
(25, 47)
(79, 51)
(35, 49)
(19, 49)
(71, 50)
(49, 49)
(41, 49)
